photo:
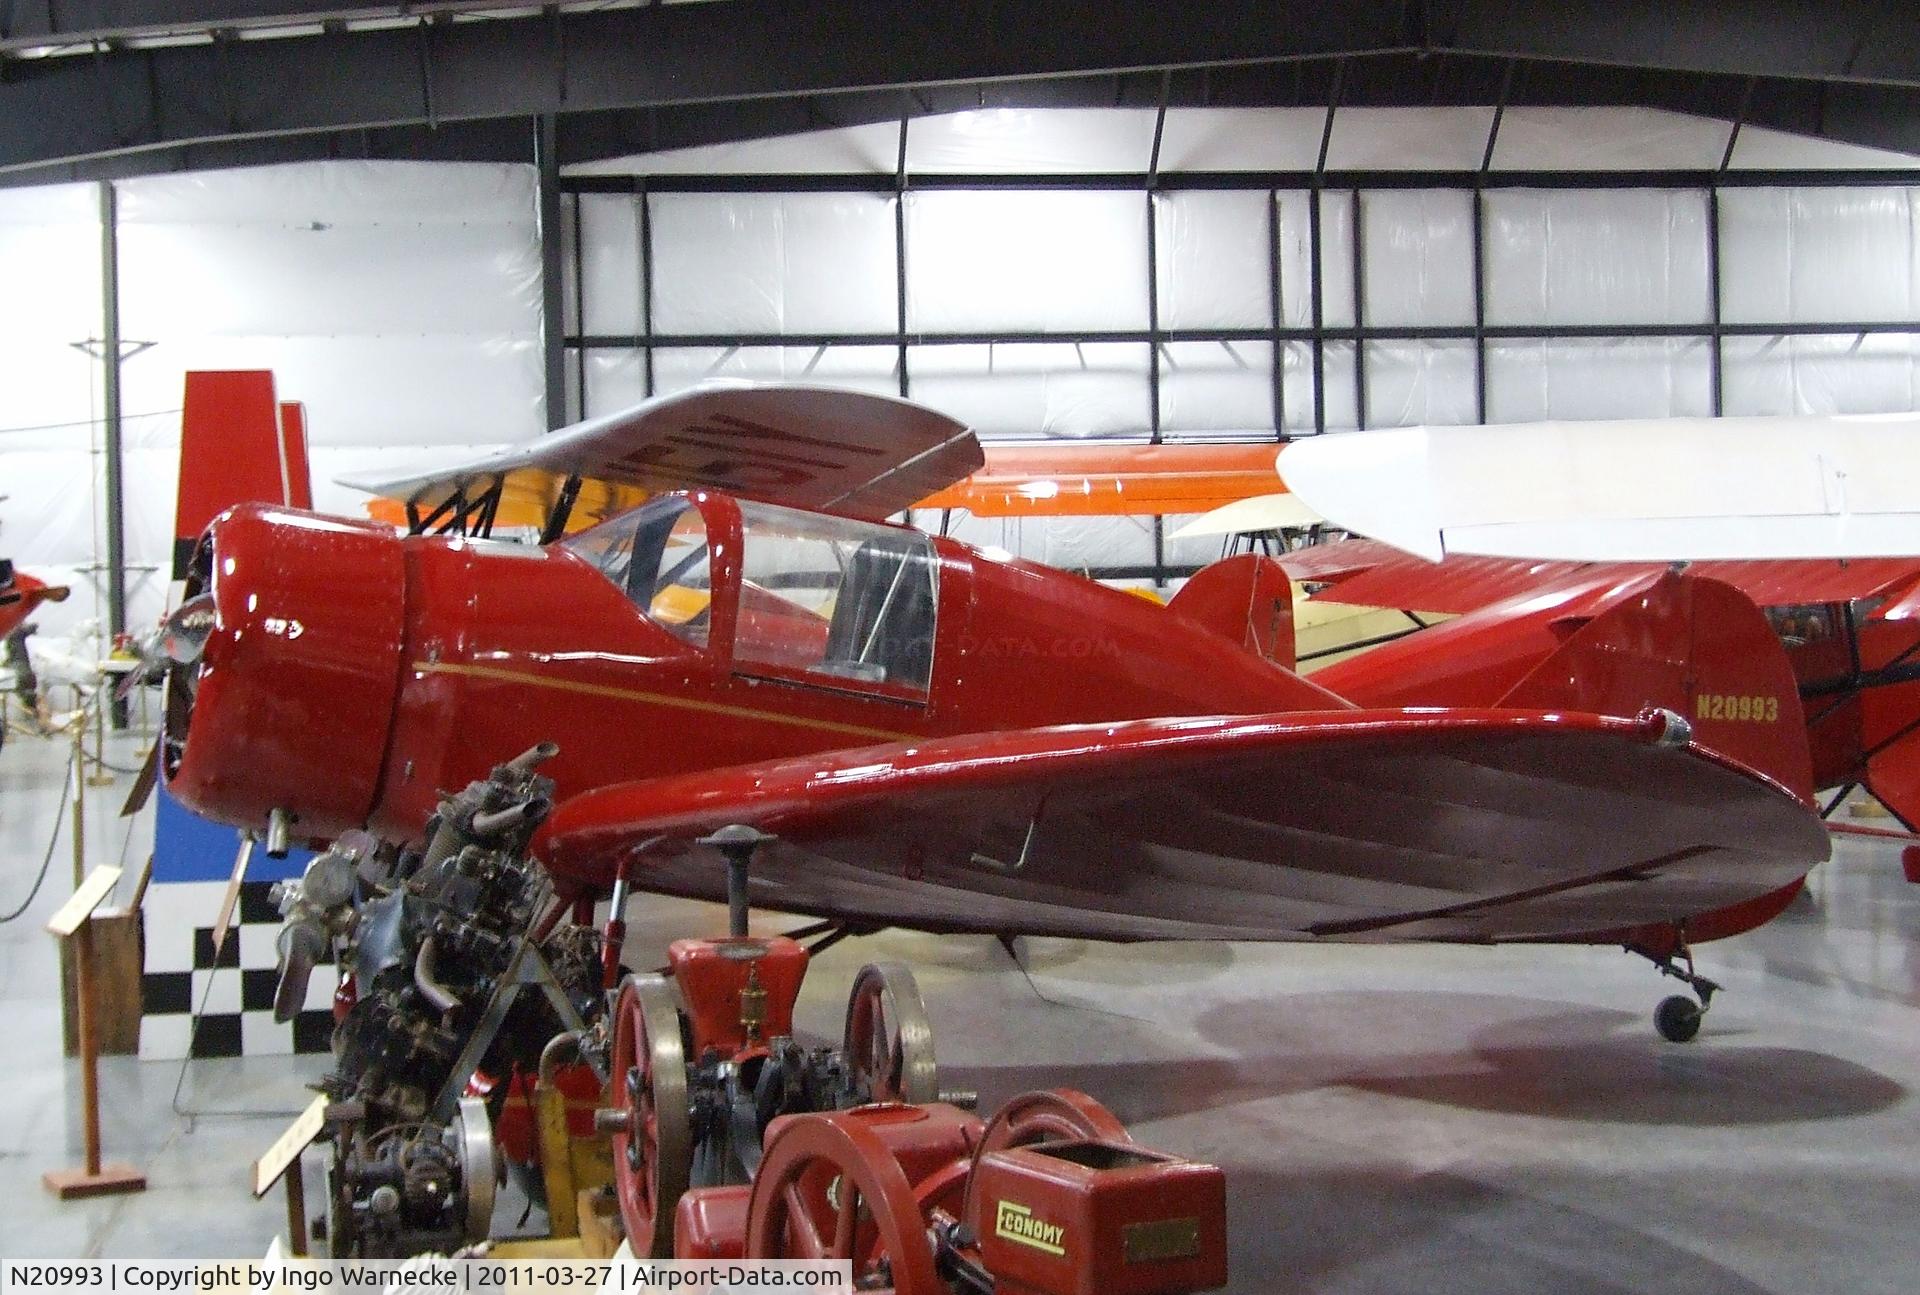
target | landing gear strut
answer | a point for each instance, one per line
(1678, 1017)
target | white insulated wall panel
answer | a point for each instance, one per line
(1819, 255)
(1413, 382)
(1342, 410)
(1417, 246)
(1213, 258)
(1207, 388)
(1070, 543)
(1634, 377)
(1872, 374)
(617, 379)
(399, 301)
(50, 393)
(610, 265)
(1036, 389)
(863, 368)
(1612, 256)
(1024, 261)
(773, 263)
(1296, 257)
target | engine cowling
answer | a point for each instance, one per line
(286, 699)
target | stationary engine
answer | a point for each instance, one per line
(435, 947)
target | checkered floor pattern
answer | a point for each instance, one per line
(234, 995)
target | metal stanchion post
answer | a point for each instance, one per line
(79, 804)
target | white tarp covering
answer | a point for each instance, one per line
(770, 263)
(1062, 261)
(1840, 255)
(1606, 256)
(400, 302)
(1082, 141)
(50, 390)
(1041, 389)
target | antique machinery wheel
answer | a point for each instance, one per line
(1045, 1115)
(471, 1136)
(829, 1189)
(889, 1040)
(1051, 1115)
(652, 1141)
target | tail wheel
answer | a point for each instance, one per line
(1046, 1115)
(889, 1039)
(828, 1188)
(653, 1150)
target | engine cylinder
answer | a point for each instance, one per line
(290, 704)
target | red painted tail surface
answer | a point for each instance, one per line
(1248, 599)
(238, 444)
(1697, 647)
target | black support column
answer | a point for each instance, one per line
(116, 519)
(553, 326)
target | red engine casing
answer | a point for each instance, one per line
(713, 973)
(711, 1223)
(1099, 1218)
(294, 700)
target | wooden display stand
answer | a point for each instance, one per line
(115, 937)
(74, 922)
(282, 1163)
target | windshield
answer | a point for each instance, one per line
(826, 594)
(658, 554)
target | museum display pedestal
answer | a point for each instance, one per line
(74, 923)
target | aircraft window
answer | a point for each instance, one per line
(838, 597)
(1802, 624)
(658, 554)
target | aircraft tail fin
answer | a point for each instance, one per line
(238, 444)
(1246, 598)
(1695, 646)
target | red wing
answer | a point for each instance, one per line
(1468, 825)
(1366, 573)
(1338, 560)
(1460, 584)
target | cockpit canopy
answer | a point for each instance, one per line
(815, 595)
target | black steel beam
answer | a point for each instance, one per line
(552, 274)
(1829, 40)
(116, 518)
(1330, 332)
(1185, 181)
(25, 24)
(66, 109)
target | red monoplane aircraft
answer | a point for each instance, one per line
(20, 593)
(939, 739)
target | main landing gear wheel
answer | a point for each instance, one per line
(829, 1189)
(889, 1039)
(653, 1140)
(1678, 1018)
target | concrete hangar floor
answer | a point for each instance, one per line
(1412, 1119)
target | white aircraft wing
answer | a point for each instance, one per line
(1670, 489)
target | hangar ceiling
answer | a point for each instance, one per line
(107, 88)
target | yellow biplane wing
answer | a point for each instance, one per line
(846, 452)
